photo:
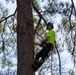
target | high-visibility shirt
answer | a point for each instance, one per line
(52, 36)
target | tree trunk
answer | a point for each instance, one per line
(25, 37)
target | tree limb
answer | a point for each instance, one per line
(74, 44)
(38, 12)
(37, 25)
(59, 60)
(73, 6)
(8, 16)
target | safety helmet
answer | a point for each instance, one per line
(50, 24)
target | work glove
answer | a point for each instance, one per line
(43, 44)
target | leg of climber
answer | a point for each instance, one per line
(38, 55)
(36, 60)
(47, 49)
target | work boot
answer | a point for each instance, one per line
(39, 65)
(34, 67)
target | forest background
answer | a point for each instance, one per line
(62, 14)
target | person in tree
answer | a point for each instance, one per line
(48, 45)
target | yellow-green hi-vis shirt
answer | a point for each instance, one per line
(52, 36)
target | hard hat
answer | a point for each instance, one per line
(50, 24)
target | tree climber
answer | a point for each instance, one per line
(48, 45)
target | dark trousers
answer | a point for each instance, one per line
(44, 52)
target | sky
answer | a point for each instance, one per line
(11, 7)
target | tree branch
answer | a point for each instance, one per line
(59, 60)
(38, 12)
(37, 25)
(74, 44)
(8, 16)
(73, 6)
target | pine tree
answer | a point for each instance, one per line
(25, 39)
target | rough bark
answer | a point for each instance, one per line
(25, 37)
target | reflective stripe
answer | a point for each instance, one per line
(51, 38)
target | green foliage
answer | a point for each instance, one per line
(52, 7)
(36, 2)
(6, 62)
(2, 28)
(65, 32)
(7, 39)
(55, 7)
